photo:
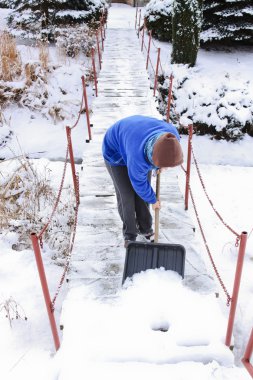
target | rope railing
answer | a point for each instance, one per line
(159, 66)
(71, 246)
(210, 201)
(37, 238)
(56, 202)
(241, 239)
(209, 251)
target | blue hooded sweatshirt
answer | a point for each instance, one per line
(124, 145)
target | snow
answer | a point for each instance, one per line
(72, 13)
(3, 14)
(216, 90)
(119, 337)
(163, 7)
(151, 301)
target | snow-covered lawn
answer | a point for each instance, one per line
(217, 91)
(3, 14)
(112, 335)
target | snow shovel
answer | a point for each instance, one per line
(142, 256)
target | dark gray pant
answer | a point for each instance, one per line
(133, 210)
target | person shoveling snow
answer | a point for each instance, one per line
(132, 147)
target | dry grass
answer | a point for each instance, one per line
(12, 310)
(44, 55)
(10, 61)
(26, 201)
(31, 73)
(22, 193)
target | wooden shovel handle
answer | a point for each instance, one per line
(157, 209)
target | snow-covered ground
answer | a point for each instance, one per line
(112, 335)
(3, 14)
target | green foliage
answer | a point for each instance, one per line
(228, 22)
(158, 16)
(3, 3)
(186, 26)
(33, 18)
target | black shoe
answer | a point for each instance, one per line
(150, 237)
(127, 242)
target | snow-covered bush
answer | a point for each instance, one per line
(186, 26)
(228, 22)
(222, 107)
(73, 40)
(158, 15)
(4, 4)
(26, 202)
(38, 19)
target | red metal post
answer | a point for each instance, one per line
(99, 54)
(169, 99)
(45, 290)
(101, 33)
(157, 68)
(139, 23)
(86, 108)
(142, 39)
(237, 282)
(188, 170)
(94, 70)
(149, 45)
(104, 27)
(72, 162)
(136, 16)
(248, 354)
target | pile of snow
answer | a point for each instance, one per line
(154, 320)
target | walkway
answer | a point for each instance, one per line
(98, 258)
(124, 90)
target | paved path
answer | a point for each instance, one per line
(98, 257)
(124, 90)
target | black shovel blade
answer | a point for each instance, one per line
(142, 256)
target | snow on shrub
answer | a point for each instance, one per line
(4, 4)
(186, 26)
(39, 18)
(221, 106)
(73, 40)
(158, 15)
(228, 22)
(26, 201)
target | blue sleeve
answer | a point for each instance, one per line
(140, 183)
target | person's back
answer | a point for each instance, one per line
(132, 147)
(127, 137)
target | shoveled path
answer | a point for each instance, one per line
(98, 257)
(124, 90)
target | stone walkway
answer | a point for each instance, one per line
(98, 258)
